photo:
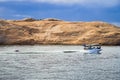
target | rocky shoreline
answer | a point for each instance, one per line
(57, 32)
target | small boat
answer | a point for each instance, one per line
(16, 50)
(93, 48)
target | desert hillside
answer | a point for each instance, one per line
(53, 31)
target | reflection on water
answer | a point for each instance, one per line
(58, 63)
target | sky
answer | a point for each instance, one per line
(69, 10)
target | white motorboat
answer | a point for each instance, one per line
(93, 48)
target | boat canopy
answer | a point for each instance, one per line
(92, 45)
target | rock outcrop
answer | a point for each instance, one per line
(52, 31)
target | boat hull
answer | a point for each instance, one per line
(94, 51)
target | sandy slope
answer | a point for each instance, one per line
(52, 31)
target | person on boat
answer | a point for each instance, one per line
(90, 47)
(99, 47)
(84, 46)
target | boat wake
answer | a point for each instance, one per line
(43, 52)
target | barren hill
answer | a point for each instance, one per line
(53, 31)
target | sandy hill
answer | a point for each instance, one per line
(53, 31)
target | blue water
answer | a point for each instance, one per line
(51, 63)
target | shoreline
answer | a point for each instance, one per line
(48, 45)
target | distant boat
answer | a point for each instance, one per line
(93, 48)
(16, 50)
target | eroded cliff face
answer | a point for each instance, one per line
(51, 31)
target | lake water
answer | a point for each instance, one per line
(52, 63)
